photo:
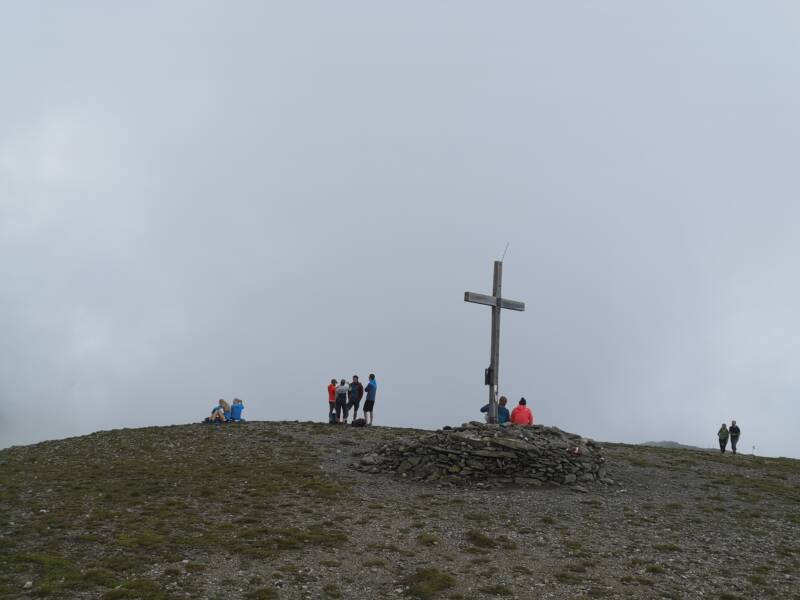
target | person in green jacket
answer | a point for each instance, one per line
(723, 438)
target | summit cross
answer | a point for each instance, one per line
(497, 302)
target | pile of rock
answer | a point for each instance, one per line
(484, 454)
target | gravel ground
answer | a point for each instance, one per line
(275, 510)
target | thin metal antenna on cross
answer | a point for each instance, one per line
(504, 252)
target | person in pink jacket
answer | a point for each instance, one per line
(522, 415)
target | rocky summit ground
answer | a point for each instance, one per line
(277, 510)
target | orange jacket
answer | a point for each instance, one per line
(522, 415)
(331, 393)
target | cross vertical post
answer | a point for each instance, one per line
(494, 358)
(497, 302)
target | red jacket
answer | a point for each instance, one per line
(522, 415)
(331, 393)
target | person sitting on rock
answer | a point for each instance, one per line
(236, 410)
(522, 415)
(218, 412)
(502, 411)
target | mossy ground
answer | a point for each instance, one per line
(272, 510)
(140, 514)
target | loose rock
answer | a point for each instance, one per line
(477, 452)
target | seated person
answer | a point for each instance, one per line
(236, 410)
(221, 412)
(226, 409)
(502, 411)
(522, 415)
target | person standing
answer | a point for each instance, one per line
(369, 403)
(735, 432)
(332, 401)
(355, 394)
(723, 438)
(341, 401)
(522, 415)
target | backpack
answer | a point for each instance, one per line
(359, 423)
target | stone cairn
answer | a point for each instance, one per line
(491, 454)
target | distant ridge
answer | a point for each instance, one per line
(667, 444)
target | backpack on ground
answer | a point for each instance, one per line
(359, 423)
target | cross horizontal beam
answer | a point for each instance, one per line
(492, 301)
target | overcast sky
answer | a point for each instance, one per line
(205, 200)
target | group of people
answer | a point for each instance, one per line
(521, 415)
(725, 433)
(344, 399)
(226, 413)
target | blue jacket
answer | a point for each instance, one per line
(502, 413)
(371, 388)
(236, 411)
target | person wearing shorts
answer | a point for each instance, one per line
(355, 394)
(369, 403)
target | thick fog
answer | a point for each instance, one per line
(218, 200)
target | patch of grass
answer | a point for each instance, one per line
(520, 570)
(375, 562)
(548, 520)
(655, 569)
(762, 569)
(144, 506)
(425, 583)
(506, 543)
(263, 593)
(568, 578)
(749, 488)
(477, 517)
(331, 590)
(427, 539)
(496, 590)
(480, 540)
(136, 588)
(667, 548)
(391, 548)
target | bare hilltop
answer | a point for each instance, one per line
(308, 510)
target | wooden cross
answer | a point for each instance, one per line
(497, 302)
